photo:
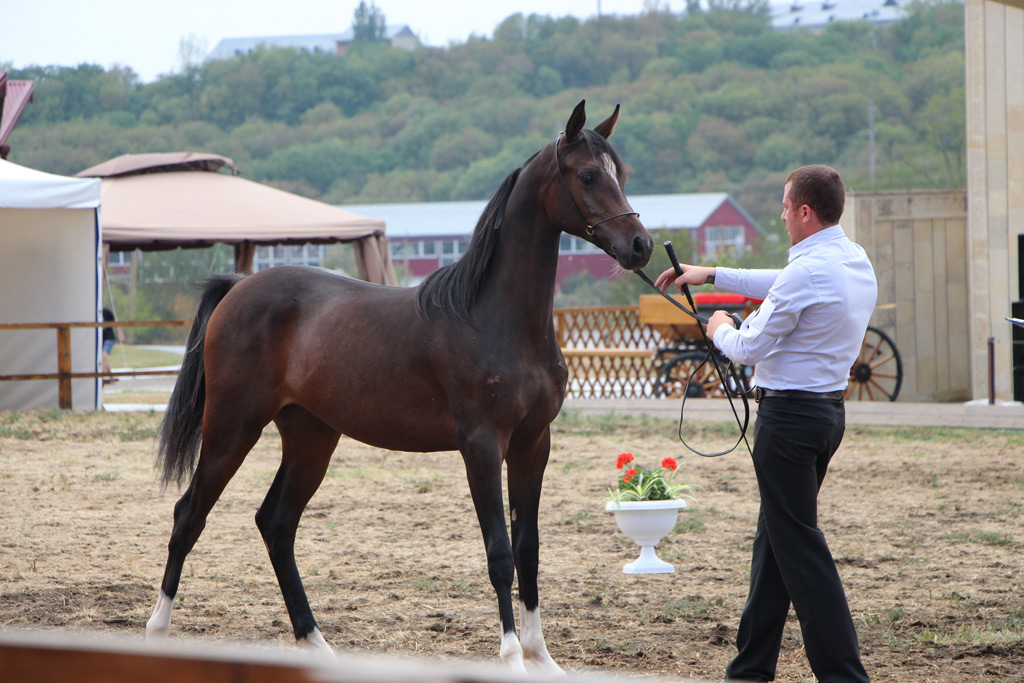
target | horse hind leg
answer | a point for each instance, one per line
(224, 448)
(307, 446)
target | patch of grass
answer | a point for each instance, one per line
(107, 476)
(127, 356)
(424, 485)
(984, 538)
(424, 584)
(574, 465)
(16, 432)
(605, 644)
(969, 634)
(908, 540)
(625, 426)
(911, 434)
(579, 516)
(691, 521)
(686, 606)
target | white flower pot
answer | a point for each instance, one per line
(646, 522)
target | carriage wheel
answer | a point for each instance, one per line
(877, 373)
(677, 378)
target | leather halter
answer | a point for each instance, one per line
(590, 226)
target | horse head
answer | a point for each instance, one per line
(592, 204)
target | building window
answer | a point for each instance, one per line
(291, 255)
(119, 259)
(570, 244)
(724, 238)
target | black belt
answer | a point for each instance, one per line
(760, 393)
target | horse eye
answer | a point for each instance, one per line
(586, 177)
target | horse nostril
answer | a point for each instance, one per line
(643, 245)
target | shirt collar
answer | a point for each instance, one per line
(820, 237)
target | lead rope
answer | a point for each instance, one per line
(701, 323)
(723, 375)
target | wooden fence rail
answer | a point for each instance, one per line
(64, 374)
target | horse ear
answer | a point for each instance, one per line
(606, 127)
(576, 121)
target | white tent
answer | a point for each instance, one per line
(49, 273)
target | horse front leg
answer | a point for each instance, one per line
(482, 454)
(525, 476)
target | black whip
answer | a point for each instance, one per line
(723, 375)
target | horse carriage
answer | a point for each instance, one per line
(876, 375)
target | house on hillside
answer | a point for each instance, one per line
(398, 35)
(425, 236)
(14, 96)
(816, 14)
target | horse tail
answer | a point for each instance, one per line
(182, 427)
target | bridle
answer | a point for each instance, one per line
(723, 375)
(590, 226)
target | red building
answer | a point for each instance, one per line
(426, 236)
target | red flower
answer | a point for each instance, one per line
(623, 459)
(629, 475)
(669, 464)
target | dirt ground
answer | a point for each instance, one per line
(925, 525)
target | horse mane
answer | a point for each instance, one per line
(452, 289)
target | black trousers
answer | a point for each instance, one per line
(794, 440)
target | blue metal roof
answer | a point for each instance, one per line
(324, 42)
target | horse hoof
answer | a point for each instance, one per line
(546, 667)
(516, 666)
(156, 632)
(315, 641)
(159, 624)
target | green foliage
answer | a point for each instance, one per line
(713, 100)
(369, 24)
(648, 483)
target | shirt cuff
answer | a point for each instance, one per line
(722, 330)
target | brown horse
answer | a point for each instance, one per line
(468, 360)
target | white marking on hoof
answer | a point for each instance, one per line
(159, 625)
(315, 641)
(534, 649)
(511, 652)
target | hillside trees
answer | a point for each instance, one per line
(712, 100)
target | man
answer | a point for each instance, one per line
(802, 341)
(109, 339)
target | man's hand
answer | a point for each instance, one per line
(718, 319)
(692, 275)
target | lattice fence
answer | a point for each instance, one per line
(608, 352)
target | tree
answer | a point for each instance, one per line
(369, 25)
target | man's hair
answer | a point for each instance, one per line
(820, 188)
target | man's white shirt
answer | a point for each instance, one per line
(810, 327)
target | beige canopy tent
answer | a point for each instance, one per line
(179, 199)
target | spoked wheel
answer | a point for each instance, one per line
(877, 373)
(676, 378)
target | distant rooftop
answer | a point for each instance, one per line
(324, 42)
(457, 219)
(819, 13)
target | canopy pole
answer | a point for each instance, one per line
(245, 253)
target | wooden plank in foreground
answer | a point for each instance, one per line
(53, 656)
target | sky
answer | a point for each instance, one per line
(146, 35)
